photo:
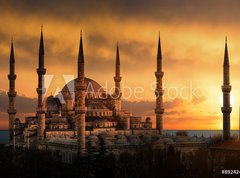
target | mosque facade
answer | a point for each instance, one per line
(83, 115)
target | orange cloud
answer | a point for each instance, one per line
(192, 43)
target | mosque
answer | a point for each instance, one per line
(84, 116)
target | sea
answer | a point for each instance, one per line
(4, 134)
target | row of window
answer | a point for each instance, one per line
(100, 113)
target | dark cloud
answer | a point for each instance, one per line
(139, 108)
(23, 103)
(175, 111)
(190, 11)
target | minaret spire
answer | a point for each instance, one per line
(12, 59)
(41, 46)
(80, 107)
(117, 56)
(159, 52)
(159, 110)
(41, 71)
(80, 56)
(11, 93)
(117, 79)
(226, 59)
(226, 89)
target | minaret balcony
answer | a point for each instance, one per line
(12, 94)
(41, 110)
(226, 88)
(159, 110)
(41, 71)
(12, 77)
(41, 91)
(80, 110)
(12, 111)
(159, 74)
(116, 95)
(159, 92)
(226, 109)
(117, 79)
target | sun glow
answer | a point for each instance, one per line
(232, 100)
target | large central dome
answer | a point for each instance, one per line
(93, 91)
(92, 86)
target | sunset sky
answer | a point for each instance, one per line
(192, 37)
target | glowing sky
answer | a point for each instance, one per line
(192, 37)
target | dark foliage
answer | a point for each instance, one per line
(144, 163)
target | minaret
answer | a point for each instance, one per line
(41, 91)
(12, 93)
(117, 80)
(226, 89)
(159, 90)
(80, 108)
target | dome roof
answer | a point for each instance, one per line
(92, 86)
(134, 140)
(51, 100)
(93, 138)
(92, 144)
(148, 119)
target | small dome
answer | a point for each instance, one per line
(92, 144)
(53, 104)
(134, 140)
(93, 138)
(17, 121)
(148, 119)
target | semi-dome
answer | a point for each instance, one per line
(53, 101)
(91, 86)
